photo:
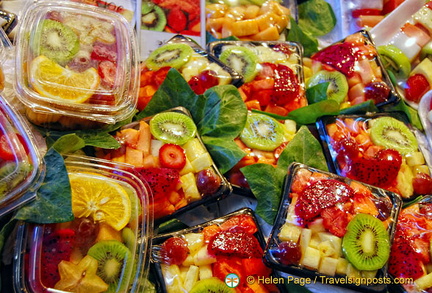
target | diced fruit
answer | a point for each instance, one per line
(204, 161)
(205, 272)
(172, 156)
(208, 182)
(193, 149)
(191, 278)
(290, 232)
(288, 253)
(328, 266)
(416, 86)
(311, 258)
(241, 223)
(189, 187)
(195, 241)
(174, 251)
(203, 257)
(228, 243)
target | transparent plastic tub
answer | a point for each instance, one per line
(425, 114)
(93, 252)
(168, 152)
(320, 215)
(76, 65)
(273, 81)
(21, 166)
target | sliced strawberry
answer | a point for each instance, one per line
(174, 251)
(365, 11)
(102, 51)
(6, 151)
(335, 220)
(203, 81)
(240, 244)
(416, 86)
(341, 57)
(242, 223)
(177, 20)
(286, 85)
(107, 71)
(172, 156)
(161, 180)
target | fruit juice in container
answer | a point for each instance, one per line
(330, 228)
(216, 256)
(272, 73)
(21, 166)
(103, 249)
(404, 41)
(354, 71)
(378, 149)
(200, 69)
(76, 66)
(169, 154)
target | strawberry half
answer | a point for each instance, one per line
(232, 243)
(286, 85)
(172, 156)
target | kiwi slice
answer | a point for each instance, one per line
(11, 174)
(393, 134)
(366, 244)
(394, 60)
(153, 17)
(262, 132)
(243, 60)
(172, 127)
(56, 41)
(115, 264)
(172, 55)
(338, 84)
(426, 51)
(129, 238)
(212, 284)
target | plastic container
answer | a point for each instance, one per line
(274, 80)
(354, 71)
(21, 166)
(68, 256)
(199, 68)
(224, 252)
(425, 114)
(319, 215)
(90, 82)
(362, 148)
(178, 168)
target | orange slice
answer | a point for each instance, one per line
(56, 82)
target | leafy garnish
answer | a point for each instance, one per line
(296, 34)
(410, 112)
(317, 93)
(316, 17)
(53, 199)
(225, 152)
(362, 108)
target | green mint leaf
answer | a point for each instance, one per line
(316, 17)
(317, 92)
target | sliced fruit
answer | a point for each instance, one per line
(235, 243)
(395, 60)
(172, 156)
(212, 284)
(153, 17)
(172, 127)
(338, 87)
(172, 55)
(243, 60)
(416, 86)
(174, 251)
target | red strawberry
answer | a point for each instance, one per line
(416, 86)
(107, 71)
(56, 246)
(320, 195)
(172, 156)
(240, 223)
(335, 220)
(286, 85)
(341, 57)
(161, 180)
(203, 81)
(102, 51)
(174, 251)
(177, 20)
(232, 243)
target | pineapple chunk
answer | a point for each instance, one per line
(368, 274)
(404, 181)
(415, 158)
(188, 168)
(352, 272)
(328, 266)
(202, 257)
(194, 241)
(317, 226)
(191, 278)
(305, 238)
(202, 162)
(189, 187)
(420, 169)
(193, 149)
(205, 272)
(188, 261)
(290, 232)
(326, 249)
(172, 278)
(336, 242)
(424, 282)
(314, 241)
(342, 266)
(311, 258)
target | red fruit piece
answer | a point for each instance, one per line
(239, 223)
(377, 91)
(208, 182)
(107, 71)
(232, 243)
(103, 51)
(365, 11)
(346, 146)
(255, 266)
(203, 81)
(56, 246)
(172, 156)
(422, 184)
(159, 75)
(225, 266)
(341, 57)
(174, 251)
(286, 85)
(161, 180)
(102, 99)
(416, 86)
(288, 253)
(319, 195)
(6, 151)
(177, 20)
(284, 48)
(335, 220)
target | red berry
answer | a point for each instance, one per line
(422, 184)
(102, 52)
(208, 182)
(174, 251)
(416, 86)
(288, 253)
(107, 71)
(172, 156)
(377, 91)
(203, 81)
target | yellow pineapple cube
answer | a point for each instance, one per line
(414, 159)
(328, 266)
(172, 277)
(188, 168)
(326, 249)
(205, 272)
(404, 181)
(317, 226)
(424, 282)
(191, 277)
(189, 187)
(202, 257)
(195, 241)
(290, 232)
(202, 162)
(342, 266)
(193, 149)
(305, 238)
(311, 258)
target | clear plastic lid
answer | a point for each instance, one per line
(21, 166)
(76, 60)
(103, 249)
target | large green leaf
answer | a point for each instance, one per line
(316, 17)
(225, 153)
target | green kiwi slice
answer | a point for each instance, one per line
(129, 238)
(172, 55)
(56, 41)
(172, 127)
(152, 17)
(212, 284)
(393, 134)
(115, 264)
(395, 60)
(262, 132)
(338, 84)
(243, 60)
(366, 244)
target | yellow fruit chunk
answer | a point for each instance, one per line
(101, 198)
(56, 82)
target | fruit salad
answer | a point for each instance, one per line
(272, 73)
(166, 150)
(248, 20)
(200, 258)
(21, 166)
(333, 227)
(380, 150)
(263, 139)
(76, 64)
(201, 70)
(410, 253)
(353, 70)
(103, 249)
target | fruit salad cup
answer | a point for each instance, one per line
(410, 256)
(21, 166)
(207, 257)
(378, 149)
(331, 228)
(272, 73)
(353, 70)
(103, 249)
(76, 66)
(263, 139)
(167, 151)
(200, 69)
(262, 20)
